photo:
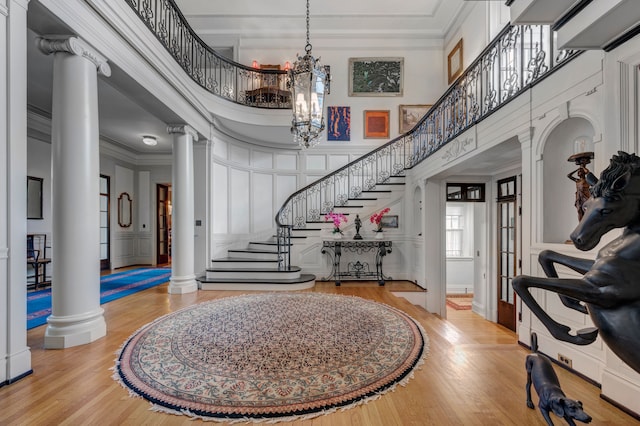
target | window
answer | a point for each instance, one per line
(465, 192)
(454, 235)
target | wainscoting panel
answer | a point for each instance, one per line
(316, 162)
(286, 162)
(220, 193)
(285, 186)
(124, 245)
(337, 161)
(262, 202)
(239, 201)
(145, 248)
(239, 155)
(261, 160)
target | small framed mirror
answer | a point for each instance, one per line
(124, 210)
(34, 197)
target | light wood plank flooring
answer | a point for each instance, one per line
(474, 374)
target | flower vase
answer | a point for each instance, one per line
(379, 235)
(337, 235)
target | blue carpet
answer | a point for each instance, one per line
(112, 287)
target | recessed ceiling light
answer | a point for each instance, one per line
(150, 140)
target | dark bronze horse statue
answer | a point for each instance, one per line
(609, 291)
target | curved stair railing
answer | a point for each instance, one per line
(220, 76)
(517, 59)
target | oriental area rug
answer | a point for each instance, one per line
(271, 357)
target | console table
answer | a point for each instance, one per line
(357, 269)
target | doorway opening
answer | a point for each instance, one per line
(465, 230)
(163, 224)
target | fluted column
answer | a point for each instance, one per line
(76, 316)
(183, 279)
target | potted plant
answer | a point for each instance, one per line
(376, 219)
(337, 219)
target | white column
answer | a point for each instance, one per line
(183, 279)
(15, 356)
(76, 316)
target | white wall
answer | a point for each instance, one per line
(422, 78)
(39, 165)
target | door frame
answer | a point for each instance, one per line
(505, 311)
(162, 259)
(106, 263)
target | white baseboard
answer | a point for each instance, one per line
(621, 391)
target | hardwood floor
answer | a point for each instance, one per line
(474, 374)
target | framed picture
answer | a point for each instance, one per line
(454, 62)
(410, 115)
(375, 76)
(376, 124)
(339, 123)
(389, 221)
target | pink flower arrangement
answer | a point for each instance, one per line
(377, 218)
(336, 218)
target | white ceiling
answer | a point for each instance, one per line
(219, 20)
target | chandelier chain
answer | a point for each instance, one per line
(307, 48)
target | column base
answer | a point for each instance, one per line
(182, 285)
(74, 330)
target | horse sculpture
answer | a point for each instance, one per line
(609, 291)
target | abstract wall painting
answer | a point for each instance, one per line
(339, 123)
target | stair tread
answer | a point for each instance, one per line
(243, 259)
(377, 190)
(303, 278)
(363, 199)
(265, 270)
(391, 183)
(248, 250)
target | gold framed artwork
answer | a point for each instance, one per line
(454, 62)
(376, 124)
(409, 116)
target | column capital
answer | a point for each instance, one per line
(182, 129)
(75, 46)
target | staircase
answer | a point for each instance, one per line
(259, 266)
(482, 89)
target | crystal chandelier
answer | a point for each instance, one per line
(309, 83)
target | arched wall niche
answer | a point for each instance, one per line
(560, 216)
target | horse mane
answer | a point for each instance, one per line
(618, 166)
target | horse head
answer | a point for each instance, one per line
(614, 202)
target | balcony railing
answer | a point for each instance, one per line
(222, 77)
(518, 58)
